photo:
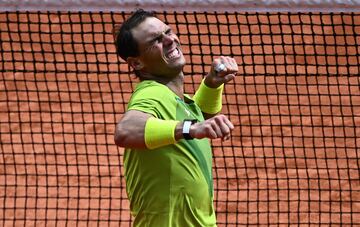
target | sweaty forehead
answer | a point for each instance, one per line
(148, 29)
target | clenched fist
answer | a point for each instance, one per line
(212, 128)
(223, 70)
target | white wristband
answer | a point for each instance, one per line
(186, 129)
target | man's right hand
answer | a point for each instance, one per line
(212, 128)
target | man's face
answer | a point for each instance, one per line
(159, 48)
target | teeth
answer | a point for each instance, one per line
(173, 54)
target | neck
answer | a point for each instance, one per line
(176, 85)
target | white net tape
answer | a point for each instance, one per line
(180, 5)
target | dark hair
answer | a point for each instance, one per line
(126, 45)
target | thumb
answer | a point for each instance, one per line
(229, 77)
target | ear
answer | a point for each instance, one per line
(135, 63)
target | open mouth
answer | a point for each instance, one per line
(173, 54)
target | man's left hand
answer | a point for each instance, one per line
(222, 71)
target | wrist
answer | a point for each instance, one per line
(209, 99)
(183, 129)
(187, 128)
(210, 82)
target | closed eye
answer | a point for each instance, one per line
(154, 40)
(168, 31)
(158, 38)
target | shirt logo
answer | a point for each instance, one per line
(184, 106)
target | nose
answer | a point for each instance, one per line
(167, 39)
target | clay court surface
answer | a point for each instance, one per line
(293, 159)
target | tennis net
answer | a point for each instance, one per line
(293, 158)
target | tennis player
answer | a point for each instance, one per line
(165, 133)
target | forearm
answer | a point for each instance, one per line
(209, 95)
(136, 130)
(178, 131)
(209, 99)
(129, 131)
(132, 131)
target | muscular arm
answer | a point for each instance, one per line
(215, 79)
(129, 131)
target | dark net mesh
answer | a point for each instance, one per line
(292, 160)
